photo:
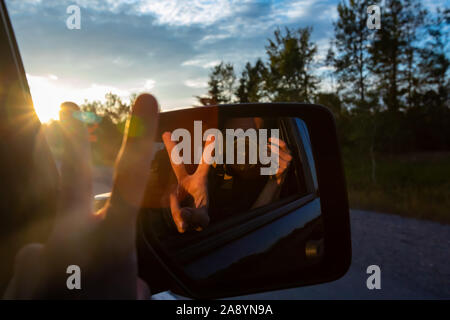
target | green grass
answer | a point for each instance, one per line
(412, 185)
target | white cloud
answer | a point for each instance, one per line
(330, 13)
(201, 62)
(198, 83)
(281, 13)
(292, 10)
(122, 62)
(322, 49)
(185, 13)
(210, 38)
(172, 12)
(149, 84)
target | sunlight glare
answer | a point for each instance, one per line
(46, 96)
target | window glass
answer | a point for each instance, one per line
(233, 190)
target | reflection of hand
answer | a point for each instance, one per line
(195, 184)
(101, 244)
(272, 188)
(284, 158)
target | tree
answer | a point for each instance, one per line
(330, 100)
(252, 82)
(414, 19)
(112, 108)
(434, 64)
(106, 122)
(220, 85)
(291, 60)
(393, 48)
(349, 54)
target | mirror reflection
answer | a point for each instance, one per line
(212, 179)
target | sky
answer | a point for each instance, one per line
(165, 47)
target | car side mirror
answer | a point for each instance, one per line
(271, 225)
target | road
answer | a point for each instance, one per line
(413, 255)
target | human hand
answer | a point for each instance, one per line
(279, 147)
(195, 184)
(102, 244)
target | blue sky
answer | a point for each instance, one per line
(163, 47)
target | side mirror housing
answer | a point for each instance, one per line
(300, 237)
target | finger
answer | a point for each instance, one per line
(282, 166)
(178, 215)
(206, 162)
(132, 170)
(76, 171)
(282, 171)
(181, 193)
(281, 154)
(280, 143)
(178, 169)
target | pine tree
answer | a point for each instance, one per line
(220, 85)
(291, 61)
(393, 49)
(251, 83)
(349, 53)
(434, 64)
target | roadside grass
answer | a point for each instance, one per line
(412, 185)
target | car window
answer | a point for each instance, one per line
(236, 192)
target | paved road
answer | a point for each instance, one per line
(414, 257)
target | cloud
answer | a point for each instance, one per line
(122, 62)
(292, 10)
(186, 13)
(164, 46)
(211, 38)
(171, 12)
(149, 84)
(198, 83)
(204, 63)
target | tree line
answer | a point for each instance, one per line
(388, 88)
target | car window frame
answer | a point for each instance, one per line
(303, 134)
(197, 244)
(302, 142)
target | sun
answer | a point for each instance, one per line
(47, 96)
(46, 108)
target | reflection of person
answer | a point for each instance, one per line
(250, 191)
(272, 188)
(102, 245)
(245, 189)
(195, 185)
